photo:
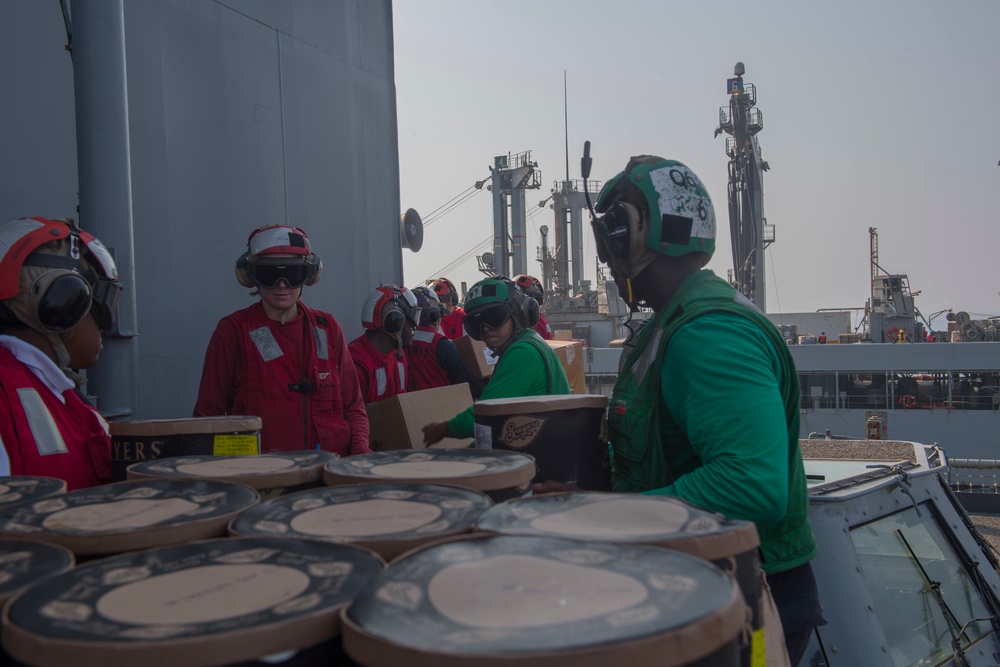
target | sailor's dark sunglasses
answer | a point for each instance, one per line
(268, 274)
(492, 318)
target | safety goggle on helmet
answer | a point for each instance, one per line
(489, 303)
(69, 279)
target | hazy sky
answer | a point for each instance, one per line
(877, 113)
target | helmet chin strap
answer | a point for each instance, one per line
(58, 343)
(513, 336)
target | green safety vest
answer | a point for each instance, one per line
(639, 463)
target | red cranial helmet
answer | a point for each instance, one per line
(532, 287)
(445, 289)
(52, 274)
(388, 308)
(275, 253)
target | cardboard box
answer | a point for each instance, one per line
(478, 359)
(570, 353)
(397, 422)
(135, 441)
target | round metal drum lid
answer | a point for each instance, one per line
(23, 563)
(20, 488)
(129, 515)
(215, 602)
(261, 471)
(541, 601)
(624, 518)
(495, 407)
(480, 469)
(387, 518)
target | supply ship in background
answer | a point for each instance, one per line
(890, 375)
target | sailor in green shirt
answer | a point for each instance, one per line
(706, 406)
(500, 314)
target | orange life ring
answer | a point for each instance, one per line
(893, 333)
(908, 400)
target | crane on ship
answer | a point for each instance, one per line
(750, 233)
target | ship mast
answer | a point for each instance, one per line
(748, 228)
(511, 175)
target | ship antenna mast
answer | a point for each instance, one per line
(748, 228)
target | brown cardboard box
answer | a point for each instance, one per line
(396, 422)
(570, 353)
(478, 359)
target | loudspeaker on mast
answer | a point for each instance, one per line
(411, 230)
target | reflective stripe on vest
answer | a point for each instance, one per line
(266, 344)
(402, 376)
(380, 381)
(645, 362)
(47, 437)
(322, 347)
(424, 336)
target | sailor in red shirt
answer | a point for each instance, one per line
(533, 288)
(58, 291)
(451, 321)
(281, 360)
(432, 358)
(389, 316)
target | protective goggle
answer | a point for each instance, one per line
(491, 318)
(104, 302)
(267, 273)
(432, 314)
(611, 236)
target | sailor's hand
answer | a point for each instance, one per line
(435, 432)
(552, 486)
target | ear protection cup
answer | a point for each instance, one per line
(524, 308)
(392, 319)
(243, 271)
(530, 312)
(318, 264)
(56, 301)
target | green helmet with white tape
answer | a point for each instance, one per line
(681, 218)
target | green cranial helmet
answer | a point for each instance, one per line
(681, 216)
(489, 292)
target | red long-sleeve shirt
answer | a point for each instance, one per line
(298, 377)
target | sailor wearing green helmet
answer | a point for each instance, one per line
(500, 314)
(706, 405)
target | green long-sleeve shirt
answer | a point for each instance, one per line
(725, 419)
(726, 424)
(520, 371)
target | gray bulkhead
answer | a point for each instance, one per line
(241, 113)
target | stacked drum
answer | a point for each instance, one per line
(281, 559)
